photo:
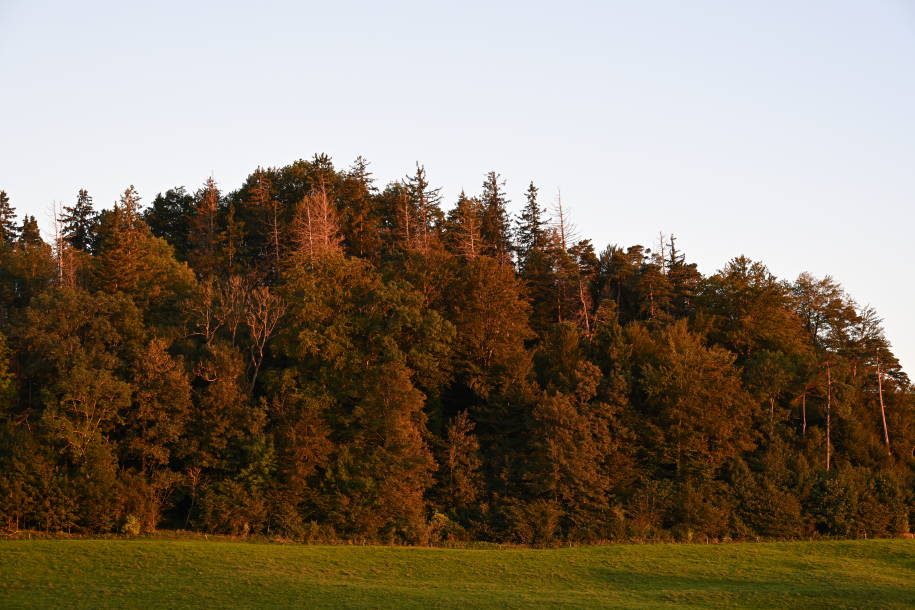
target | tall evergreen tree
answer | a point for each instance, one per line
(531, 234)
(360, 219)
(78, 222)
(421, 215)
(7, 219)
(29, 234)
(169, 217)
(203, 238)
(496, 228)
(120, 244)
(464, 227)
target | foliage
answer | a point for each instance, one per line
(313, 357)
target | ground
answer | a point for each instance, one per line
(169, 573)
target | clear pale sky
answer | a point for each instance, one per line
(784, 131)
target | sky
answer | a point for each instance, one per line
(783, 131)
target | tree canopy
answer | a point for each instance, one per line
(312, 356)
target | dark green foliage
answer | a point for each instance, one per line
(313, 358)
(496, 225)
(29, 235)
(78, 222)
(8, 229)
(169, 218)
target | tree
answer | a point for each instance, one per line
(337, 352)
(359, 217)
(531, 232)
(461, 480)
(575, 436)
(7, 219)
(697, 414)
(315, 231)
(264, 199)
(78, 222)
(464, 227)
(29, 234)
(7, 380)
(169, 218)
(262, 316)
(121, 236)
(160, 410)
(203, 237)
(132, 261)
(495, 228)
(418, 215)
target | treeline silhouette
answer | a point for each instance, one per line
(314, 357)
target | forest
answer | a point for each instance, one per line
(317, 357)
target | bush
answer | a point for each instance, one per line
(132, 526)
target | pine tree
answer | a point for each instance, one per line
(421, 214)
(204, 230)
(464, 227)
(531, 234)
(79, 221)
(231, 240)
(160, 409)
(496, 229)
(461, 480)
(359, 216)
(119, 261)
(29, 234)
(315, 231)
(7, 219)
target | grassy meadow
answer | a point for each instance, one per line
(169, 573)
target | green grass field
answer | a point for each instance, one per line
(169, 573)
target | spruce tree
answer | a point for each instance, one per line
(423, 214)
(531, 232)
(203, 237)
(119, 261)
(496, 229)
(169, 218)
(464, 227)
(29, 234)
(7, 219)
(79, 221)
(359, 216)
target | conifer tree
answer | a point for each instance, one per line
(496, 229)
(359, 216)
(464, 227)
(78, 222)
(421, 214)
(531, 234)
(29, 235)
(204, 230)
(315, 231)
(461, 480)
(120, 244)
(7, 219)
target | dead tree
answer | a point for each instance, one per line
(315, 229)
(233, 304)
(886, 432)
(264, 312)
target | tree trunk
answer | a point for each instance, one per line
(828, 414)
(886, 432)
(804, 414)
